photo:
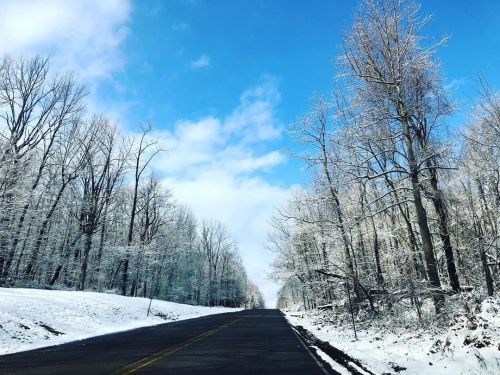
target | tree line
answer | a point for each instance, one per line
(401, 213)
(81, 208)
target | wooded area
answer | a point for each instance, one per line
(81, 208)
(402, 212)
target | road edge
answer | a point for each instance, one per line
(323, 365)
(351, 364)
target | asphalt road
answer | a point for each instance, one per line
(246, 342)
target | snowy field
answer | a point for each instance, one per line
(470, 345)
(33, 318)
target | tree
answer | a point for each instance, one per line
(214, 243)
(395, 80)
(313, 130)
(481, 161)
(103, 169)
(33, 108)
(142, 157)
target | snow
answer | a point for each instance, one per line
(34, 318)
(469, 345)
(334, 365)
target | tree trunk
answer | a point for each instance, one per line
(484, 260)
(423, 224)
(85, 261)
(130, 235)
(42, 231)
(444, 234)
(125, 276)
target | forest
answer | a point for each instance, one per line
(82, 209)
(401, 214)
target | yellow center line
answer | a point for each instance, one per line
(147, 361)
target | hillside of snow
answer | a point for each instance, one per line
(34, 318)
(470, 344)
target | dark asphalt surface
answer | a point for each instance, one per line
(246, 342)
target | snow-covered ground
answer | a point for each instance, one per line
(470, 345)
(33, 318)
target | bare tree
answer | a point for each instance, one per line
(142, 157)
(33, 108)
(313, 130)
(396, 81)
(103, 170)
(215, 243)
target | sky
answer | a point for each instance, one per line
(221, 80)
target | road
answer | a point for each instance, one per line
(246, 342)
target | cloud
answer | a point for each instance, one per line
(213, 166)
(201, 62)
(155, 11)
(82, 35)
(227, 143)
(182, 26)
(455, 84)
(254, 117)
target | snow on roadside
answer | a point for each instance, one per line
(470, 345)
(334, 365)
(34, 318)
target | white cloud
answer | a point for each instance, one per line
(455, 84)
(155, 11)
(247, 163)
(226, 143)
(201, 62)
(82, 35)
(254, 117)
(182, 26)
(211, 164)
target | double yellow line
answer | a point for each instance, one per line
(129, 369)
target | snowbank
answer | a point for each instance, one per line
(33, 318)
(470, 345)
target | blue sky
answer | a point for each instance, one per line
(294, 42)
(220, 80)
